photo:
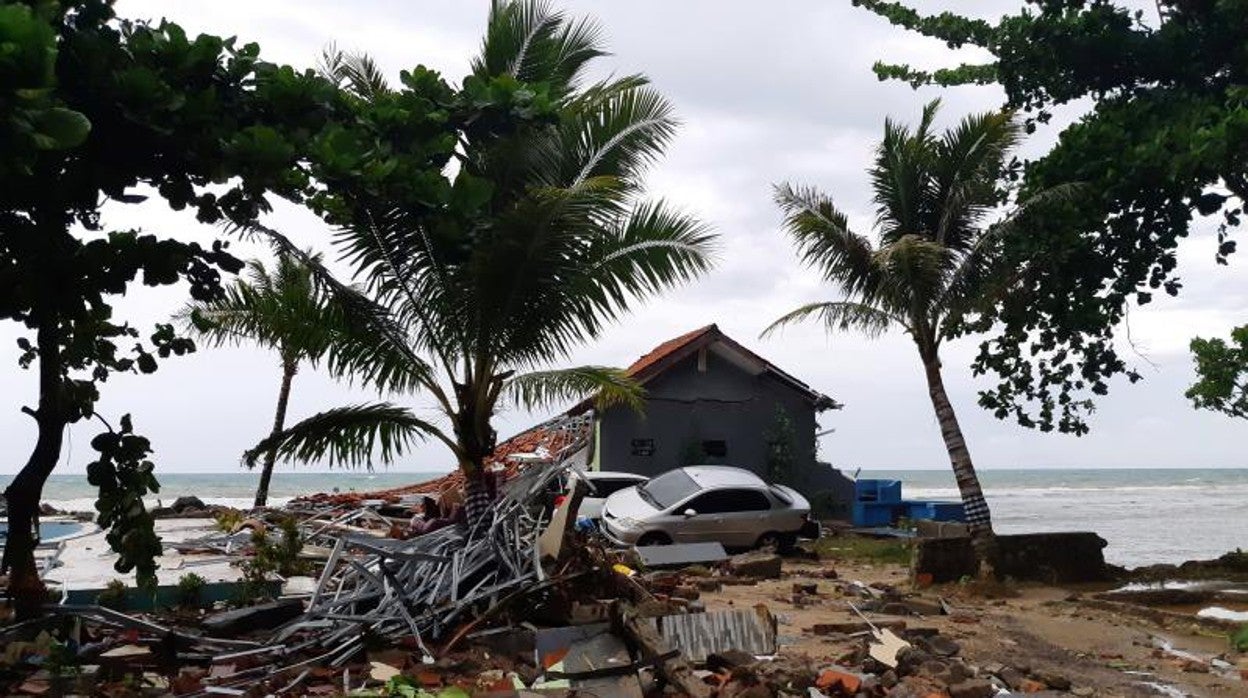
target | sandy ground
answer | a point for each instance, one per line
(1043, 628)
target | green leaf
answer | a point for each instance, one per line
(63, 128)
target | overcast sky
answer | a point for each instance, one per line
(767, 92)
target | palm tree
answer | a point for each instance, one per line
(933, 266)
(280, 309)
(473, 310)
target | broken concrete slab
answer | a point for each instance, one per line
(681, 555)
(757, 565)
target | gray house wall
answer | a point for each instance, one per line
(685, 407)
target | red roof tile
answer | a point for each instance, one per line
(666, 349)
(524, 442)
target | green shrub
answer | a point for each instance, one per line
(228, 519)
(189, 590)
(113, 596)
(1239, 640)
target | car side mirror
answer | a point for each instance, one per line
(690, 512)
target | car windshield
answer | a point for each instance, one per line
(668, 489)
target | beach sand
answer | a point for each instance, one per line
(1046, 629)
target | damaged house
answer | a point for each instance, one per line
(710, 400)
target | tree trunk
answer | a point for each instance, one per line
(23, 494)
(289, 368)
(978, 518)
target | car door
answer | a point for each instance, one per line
(747, 517)
(735, 517)
(706, 524)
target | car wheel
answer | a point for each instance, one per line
(654, 538)
(780, 542)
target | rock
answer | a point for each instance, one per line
(184, 504)
(1084, 691)
(910, 659)
(940, 646)
(916, 687)
(686, 592)
(708, 584)
(957, 673)
(895, 608)
(922, 608)
(757, 564)
(933, 668)
(729, 660)
(888, 679)
(1013, 678)
(741, 688)
(1052, 680)
(992, 668)
(972, 688)
(1031, 686)
(801, 588)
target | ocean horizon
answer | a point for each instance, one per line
(1204, 510)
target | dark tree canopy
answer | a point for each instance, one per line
(1166, 141)
(1222, 374)
(90, 108)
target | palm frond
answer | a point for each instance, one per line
(969, 161)
(348, 436)
(277, 308)
(900, 178)
(618, 133)
(824, 240)
(357, 72)
(608, 387)
(841, 316)
(560, 283)
(363, 339)
(913, 271)
(532, 42)
(978, 279)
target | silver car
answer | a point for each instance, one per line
(603, 484)
(706, 503)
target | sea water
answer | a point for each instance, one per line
(72, 492)
(1147, 516)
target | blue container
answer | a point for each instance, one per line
(872, 514)
(934, 511)
(877, 491)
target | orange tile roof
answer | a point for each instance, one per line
(524, 442)
(666, 349)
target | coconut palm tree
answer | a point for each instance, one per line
(933, 266)
(280, 309)
(473, 310)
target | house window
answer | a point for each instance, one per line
(715, 449)
(643, 447)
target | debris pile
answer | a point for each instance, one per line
(524, 600)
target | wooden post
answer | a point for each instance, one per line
(648, 640)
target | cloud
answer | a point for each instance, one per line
(767, 93)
